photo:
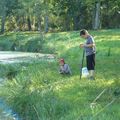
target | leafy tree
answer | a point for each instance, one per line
(6, 8)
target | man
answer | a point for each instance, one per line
(90, 51)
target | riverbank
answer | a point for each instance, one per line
(40, 93)
(9, 59)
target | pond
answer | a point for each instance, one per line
(8, 57)
(17, 57)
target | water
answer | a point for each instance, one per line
(7, 57)
(6, 113)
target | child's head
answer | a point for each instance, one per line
(62, 61)
(84, 33)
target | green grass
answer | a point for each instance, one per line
(40, 93)
(24, 41)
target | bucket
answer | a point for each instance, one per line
(85, 72)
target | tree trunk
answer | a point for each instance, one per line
(96, 23)
(40, 27)
(67, 23)
(33, 23)
(107, 17)
(40, 31)
(46, 24)
(3, 23)
(23, 25)
(29, 23)
(93, 18)
(76, 23)
(17, 23)
(39, 24)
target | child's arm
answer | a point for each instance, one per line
(89, 45)
(61, 70)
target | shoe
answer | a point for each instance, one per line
(91, 78)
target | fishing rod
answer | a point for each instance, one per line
(82, 62)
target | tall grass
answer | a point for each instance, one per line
(40, 93)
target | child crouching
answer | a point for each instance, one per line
(64, 68)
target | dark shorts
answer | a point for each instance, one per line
(90, 62)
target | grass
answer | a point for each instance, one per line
(40, 93)
(24, 41)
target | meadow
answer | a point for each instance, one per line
(39, 92)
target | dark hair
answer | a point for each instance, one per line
(83, 32)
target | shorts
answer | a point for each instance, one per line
(90, 62)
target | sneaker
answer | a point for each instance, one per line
(91, 78)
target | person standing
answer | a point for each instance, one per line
(90, 51)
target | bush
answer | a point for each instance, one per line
(35, 45)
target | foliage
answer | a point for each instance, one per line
(57, 15)
(22, 42)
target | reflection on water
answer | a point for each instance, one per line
(6, 113)
(7, 57)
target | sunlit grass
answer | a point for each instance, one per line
(39, 92)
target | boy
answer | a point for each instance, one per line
(90, 51)
(64, 68)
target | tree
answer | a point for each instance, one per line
(96, 15)
(3, 8)
(6, 8)
(110, 9)
(60, 15)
